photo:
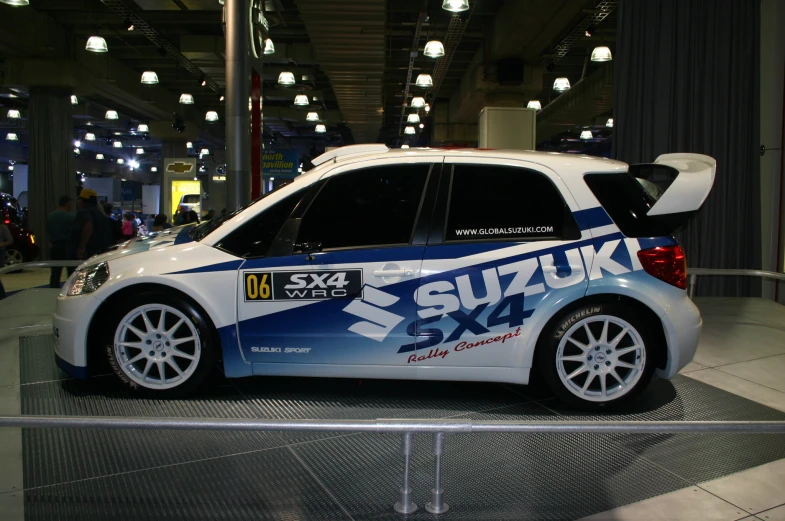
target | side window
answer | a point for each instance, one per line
(368, 207)
(498, 202)
(254, 238)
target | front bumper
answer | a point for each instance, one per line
(70, 322)
(682, 323)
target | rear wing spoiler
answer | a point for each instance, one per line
(691, 186)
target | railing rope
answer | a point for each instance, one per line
(695, 272)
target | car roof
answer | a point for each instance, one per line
(561, 163)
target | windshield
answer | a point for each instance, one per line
(208, 227)
(191, 199)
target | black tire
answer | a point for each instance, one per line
(207, 344)
(593, 315)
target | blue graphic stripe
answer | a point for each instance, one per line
(222, 266)
(592, 218)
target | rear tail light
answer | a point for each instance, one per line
(667, 263)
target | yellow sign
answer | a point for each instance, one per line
(185, 193)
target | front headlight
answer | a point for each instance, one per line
(87, 280)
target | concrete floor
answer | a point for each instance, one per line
(742, 351)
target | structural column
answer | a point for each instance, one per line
(238, 81)
(51, 172)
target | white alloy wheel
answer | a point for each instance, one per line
(157, 346)
(13, 256)
(601, 358)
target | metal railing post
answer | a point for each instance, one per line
(405, 505)
(693, 283)
(437, 505)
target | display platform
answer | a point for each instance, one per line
(168, 475)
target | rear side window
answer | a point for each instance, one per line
(254, 238)
(627, 199)
(498, 202)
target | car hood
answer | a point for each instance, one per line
(163, 239)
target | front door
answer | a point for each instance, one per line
(345, 296)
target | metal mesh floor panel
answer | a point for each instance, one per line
(101, 474)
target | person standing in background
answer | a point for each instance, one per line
(90, 233)
(58, 227)
(6, 240)
(114, 225)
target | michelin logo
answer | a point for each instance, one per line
(446, 297)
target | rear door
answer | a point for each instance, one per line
(504, 248)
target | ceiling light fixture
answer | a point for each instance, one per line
(434, 49)
(186, 99)
(16, 3)
(269, 46)
(534, 104)
(409, 130)
(609, 123)
(143, 128)
(99, 157)
(153, 169)
(312, 116)
(204, 152)
(89, 136)
(601, 54)
(111, 114)
(74, 100)
(586, 134)
(561, 85)
(149, 78)
(76, 151)
(221, 98)
(204, 82)
(10, 168)
(11, 136)
(422, 125)
(404, 146)
(424, 81)
(413, 118)
(286, 78)
(129, 26)
(427, 107)
(301, 100)
(189, 145)
(139, 151)
(321, 129)
(117, 144)
(455, 6)
(77, 143)
(14, 114)
(121, 161)
(211, 116)
(133, 164)
(418, 102)
(96, 44)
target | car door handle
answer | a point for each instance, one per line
(561, 268)
(393, 273)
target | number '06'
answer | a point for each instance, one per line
(257, 286)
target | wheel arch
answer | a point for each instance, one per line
(96, 362)
(644, 311)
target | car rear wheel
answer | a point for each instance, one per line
(597, 356)
(160, 346)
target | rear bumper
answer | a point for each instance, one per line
(682, 325)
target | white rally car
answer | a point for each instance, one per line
(410, 264)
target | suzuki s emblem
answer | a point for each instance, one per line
(179, 167)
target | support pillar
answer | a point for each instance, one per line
(51, 170)
(238, 124)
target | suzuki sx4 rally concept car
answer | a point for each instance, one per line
(472, 265)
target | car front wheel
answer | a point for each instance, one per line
(160, 346)
(597, 356)
(13, 256)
